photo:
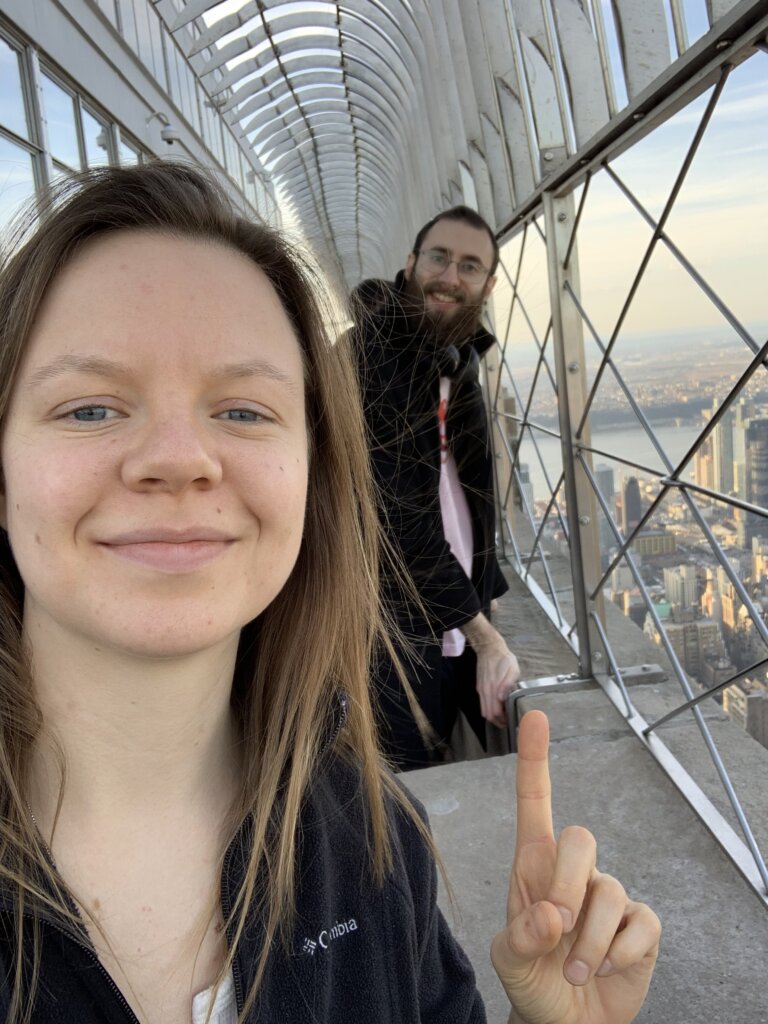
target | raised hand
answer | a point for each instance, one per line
(576, 949)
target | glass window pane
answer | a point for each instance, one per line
(144, 35)
(183, 83)
(174, 86)
(96, 135)
(156, 43)
(12, 113)
(190, 99)
(128, 21)
(243, 171)
(60, 119)
(253, 195)
(17, 181)
(128, 155)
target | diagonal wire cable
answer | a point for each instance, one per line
(710, 744)
(678, 184)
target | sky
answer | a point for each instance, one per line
(718, 222)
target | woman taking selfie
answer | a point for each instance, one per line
(196, 825)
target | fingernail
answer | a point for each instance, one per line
(577, 972)
(567, 917)
(606, 967)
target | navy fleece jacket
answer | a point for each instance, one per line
(360, 954)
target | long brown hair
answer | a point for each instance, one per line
(329, 601)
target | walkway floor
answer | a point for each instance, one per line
(715, 944)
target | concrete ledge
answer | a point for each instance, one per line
(715, 943)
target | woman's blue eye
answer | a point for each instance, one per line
(90, 414)
(243, 415)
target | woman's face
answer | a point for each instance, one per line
(155, 451)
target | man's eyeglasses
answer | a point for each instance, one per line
(436, 262)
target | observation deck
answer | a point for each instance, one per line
(715, 934)
(619, 152)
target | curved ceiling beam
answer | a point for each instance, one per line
(297, 50)
(260, 37)
(283, 104)
(301, 65)
(288, 149)
(353, 117)
(334, 93)
(287, 108)
(372, 113)
(244, 102)
(377, 184)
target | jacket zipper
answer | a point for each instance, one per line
(226, 903)
(341, 718)
(92, 955)
(226, 908)
(86, 947)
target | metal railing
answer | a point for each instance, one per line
(576, 383)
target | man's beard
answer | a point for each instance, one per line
(458, 326)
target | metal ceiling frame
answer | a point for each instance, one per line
(413, 91)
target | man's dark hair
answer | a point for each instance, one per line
(469, 216)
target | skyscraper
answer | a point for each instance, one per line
(526, 487)
(681, 585)
(722, 451)
(743, 411)
(631, 508)
(703, 469)
(756, 480)
(605, 481)
(607, 487)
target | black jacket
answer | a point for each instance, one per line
(359, 954)
(400, 370)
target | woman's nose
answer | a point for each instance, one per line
(173, 453)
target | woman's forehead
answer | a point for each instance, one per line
(156, 261)
(133, 290)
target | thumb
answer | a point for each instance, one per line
(533, 933)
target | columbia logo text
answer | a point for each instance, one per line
(329, 935)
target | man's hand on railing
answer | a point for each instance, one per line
(576, 949)
(497, 668)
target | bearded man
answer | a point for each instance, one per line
(419, 348)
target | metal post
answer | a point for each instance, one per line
(570, 368)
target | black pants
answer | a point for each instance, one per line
(442, 686)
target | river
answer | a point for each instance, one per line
(626, 442)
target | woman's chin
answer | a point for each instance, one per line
(167, 645)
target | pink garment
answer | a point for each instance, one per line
(457, 521)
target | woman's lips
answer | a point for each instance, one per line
(169, 556)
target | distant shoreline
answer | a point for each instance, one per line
(675, 414)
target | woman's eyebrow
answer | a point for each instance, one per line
(73, 363)
(256, 368)
(101, 367)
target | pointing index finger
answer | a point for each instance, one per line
(534, 792)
